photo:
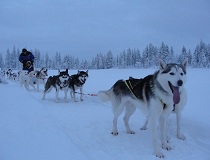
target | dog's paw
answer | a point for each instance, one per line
(130, 132)
(159, 155)
(114, 133)
(181, 137)
(143, 128)
(166, 147)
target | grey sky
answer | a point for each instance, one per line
(87, 27)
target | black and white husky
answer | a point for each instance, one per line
(60, 82)
(77, 81)
(155, 95)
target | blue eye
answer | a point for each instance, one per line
(172, 73)
(181, 74)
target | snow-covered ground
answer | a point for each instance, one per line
(36, 129)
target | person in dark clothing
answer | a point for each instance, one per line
(27, 59)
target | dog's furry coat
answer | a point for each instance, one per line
(155, 95)
(60, 82)
(77, 81)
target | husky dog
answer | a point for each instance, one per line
(9, 73)
(59, 82)
(37, 77)
(155, 95)
(2, 77)
(14, 76)
(23, 78)
(41, 76)
(77, 81)
(2, 73)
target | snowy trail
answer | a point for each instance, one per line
(32, 129)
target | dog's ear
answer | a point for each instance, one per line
(162, 64)
(58, 71)
(87, 71)
(66, 70)
(185, 63)
(78, 72)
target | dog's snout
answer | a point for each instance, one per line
(179, 82)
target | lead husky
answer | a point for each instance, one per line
(155, 95)
(77, 81)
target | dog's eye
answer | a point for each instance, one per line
(172, 73)
(181, 74)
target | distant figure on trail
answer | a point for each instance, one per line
(27, 59)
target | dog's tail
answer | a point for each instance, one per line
(105, 95)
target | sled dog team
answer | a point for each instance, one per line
(157, 95)
(61, 82)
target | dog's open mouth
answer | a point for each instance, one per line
(175, 91)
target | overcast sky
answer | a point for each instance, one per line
(86, 27)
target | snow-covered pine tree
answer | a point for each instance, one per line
(1, 62)
(109, 60)
(183, 55)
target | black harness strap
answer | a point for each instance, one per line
(131, 83)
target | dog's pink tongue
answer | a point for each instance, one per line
(176, 97)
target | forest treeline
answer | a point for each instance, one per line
(130, 58)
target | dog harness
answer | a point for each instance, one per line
(63, 86)
(131, 85)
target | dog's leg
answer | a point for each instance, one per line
(56, 95)
(47, 90)
(71, 93)
(163, 132)
(65, 97)
(129, 110)
(37, 85)
(117, 110)
(144, 127)
(74, 95)
(154, 113)
(178, 119)
(32, 84)
(81, 94)
(178, 109)
(43, 98)
(26, 85)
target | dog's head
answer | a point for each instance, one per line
(172, 78)
(63, 76)
(9, 71)
(82, 76)
(43, 72)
